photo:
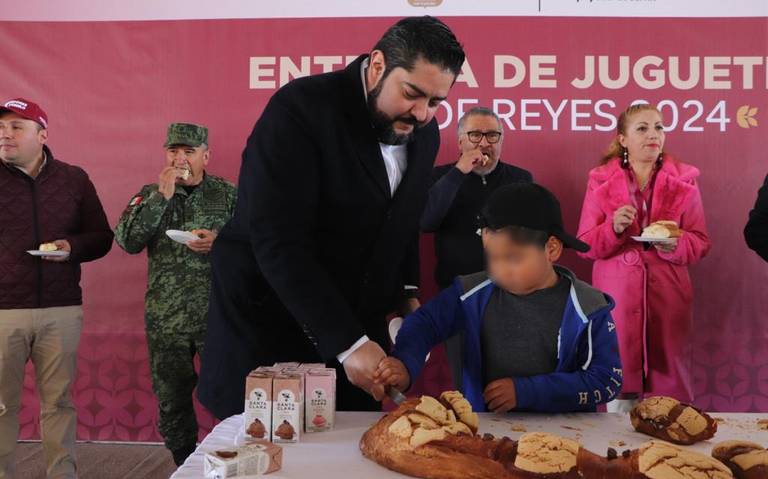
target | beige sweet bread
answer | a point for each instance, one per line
(48, 247)
(456, 401)
(546, 454)
(413, 440)
(662, 229)
(662, 460)
(435, 410)
(420, 420)
(746, 460)
(670, 420)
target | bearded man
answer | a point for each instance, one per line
(323, 244)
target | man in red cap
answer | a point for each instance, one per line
(51, 220)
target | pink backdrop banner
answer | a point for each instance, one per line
(111, 88)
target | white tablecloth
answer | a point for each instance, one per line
(335, 454)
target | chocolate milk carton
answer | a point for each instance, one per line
(287, 407)
(308, 366)
(286, 365)
(258, 404)
(269, 369)
(320, 399)
(250, 460)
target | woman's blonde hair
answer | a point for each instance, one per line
(615, 150)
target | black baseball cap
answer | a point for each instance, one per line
(531, 206)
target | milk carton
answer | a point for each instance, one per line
(320, 400)
(250, 460)
(287, 407)
(258, 405)
(286, 365)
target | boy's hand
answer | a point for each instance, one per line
(500, 396)
(392, 372)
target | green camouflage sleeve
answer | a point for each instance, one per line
(231, 200)
(140, 220)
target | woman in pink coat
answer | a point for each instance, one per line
(637, 185)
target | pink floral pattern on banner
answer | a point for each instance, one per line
(113, 393)
(729, 377)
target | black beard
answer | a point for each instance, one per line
(383, 124)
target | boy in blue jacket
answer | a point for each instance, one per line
(535, 337)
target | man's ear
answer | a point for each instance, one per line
(554, 249)
(42, 136)
(377, 65)
(206, 156)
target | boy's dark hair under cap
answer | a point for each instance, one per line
(531, 206)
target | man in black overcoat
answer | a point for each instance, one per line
(323, 244)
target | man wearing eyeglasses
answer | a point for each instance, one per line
(458, 193)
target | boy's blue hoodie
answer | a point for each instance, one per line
(588, 370)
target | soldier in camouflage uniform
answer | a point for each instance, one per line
(185, 198)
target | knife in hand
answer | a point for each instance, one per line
(396, 396)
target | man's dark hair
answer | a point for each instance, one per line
(424, 37)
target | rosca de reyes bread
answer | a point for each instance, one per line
(437, 439)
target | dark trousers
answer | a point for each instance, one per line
(171, 359)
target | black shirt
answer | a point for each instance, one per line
(190, 188)
(519, 334)
(454, 202)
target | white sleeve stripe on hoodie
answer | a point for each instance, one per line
(589, 339)
(475, 289)
(577, 305)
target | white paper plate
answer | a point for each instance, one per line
(182, 237)
(644, 239)
(58, 254)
